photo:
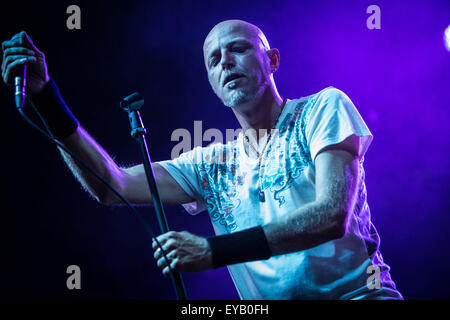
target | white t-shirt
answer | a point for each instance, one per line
(223, 179)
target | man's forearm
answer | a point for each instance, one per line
(304, 228)
(324, 219)
(85, 147)
(131, 182)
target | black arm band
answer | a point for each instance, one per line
(242, 246)
(54, 110)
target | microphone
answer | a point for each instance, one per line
(133, 102)
(19, 85)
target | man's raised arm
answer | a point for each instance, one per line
(131, 182)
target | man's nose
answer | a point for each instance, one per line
(227, 61)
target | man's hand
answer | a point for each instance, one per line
(185, 251)
(19, 51)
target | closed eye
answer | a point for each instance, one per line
(213, 61)
(240, 49)
(235, 46)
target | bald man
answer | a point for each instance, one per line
(286, 198)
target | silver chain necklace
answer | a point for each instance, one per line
(261, 194)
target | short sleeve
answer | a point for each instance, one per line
(184, 169)
(333, 118)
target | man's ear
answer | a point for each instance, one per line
(274, 59)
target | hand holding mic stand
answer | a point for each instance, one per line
(132, 104)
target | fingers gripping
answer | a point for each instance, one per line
(20, 39)
(12, 64)
(18, 51)
(169, 244)
(11, 58)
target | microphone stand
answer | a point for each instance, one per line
(132, 104)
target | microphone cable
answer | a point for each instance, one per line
(52, 138)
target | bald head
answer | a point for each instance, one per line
(243, 28)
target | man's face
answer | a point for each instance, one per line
(237, 63)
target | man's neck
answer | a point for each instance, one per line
(259, 114)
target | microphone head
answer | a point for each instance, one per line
(133, 102)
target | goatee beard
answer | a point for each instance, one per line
(238, 97)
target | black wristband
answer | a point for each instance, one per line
(242, 246)
(51, 106)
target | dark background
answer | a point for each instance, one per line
(398, 78)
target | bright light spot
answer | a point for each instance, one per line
(447, 38)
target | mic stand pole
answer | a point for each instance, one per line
(138, 132)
